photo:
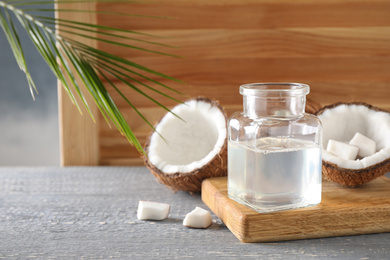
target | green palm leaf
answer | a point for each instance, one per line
(68, 58)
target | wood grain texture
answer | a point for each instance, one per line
(324, 92)
(249, 14)
(90, 213)
(297, 42)
(79, 141)
(339, 47)
(343, 211)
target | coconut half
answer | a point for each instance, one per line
(340, 122)
(183, 151)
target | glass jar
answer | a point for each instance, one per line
(274, 149)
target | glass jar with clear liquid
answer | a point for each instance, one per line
(274, 149)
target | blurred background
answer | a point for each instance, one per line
(29, 133)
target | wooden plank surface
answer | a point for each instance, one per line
(251, 14)
(79, 139)
(90, 213)
(323, 92)
(342, 211)
(297, 42)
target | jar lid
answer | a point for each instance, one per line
(274, 89)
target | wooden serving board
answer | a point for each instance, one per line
(343, 211)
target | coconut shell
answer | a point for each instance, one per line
(353, 177)
(192, 181)
(322, 109)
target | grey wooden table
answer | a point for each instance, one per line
(90, 213)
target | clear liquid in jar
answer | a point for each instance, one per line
(275, 174)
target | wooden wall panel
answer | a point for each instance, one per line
(324, 92)
(341, 48)
(262, 43)
(79, 135)
(244, 14)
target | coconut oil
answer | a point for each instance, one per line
(277, 174)
(274, 154)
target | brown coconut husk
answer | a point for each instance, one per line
(353, 177)
(192, 181)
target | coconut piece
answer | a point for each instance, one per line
(198, 218)
(150, 210)
(341, 121)
(183, 151)
(345, 151)
(367, 146)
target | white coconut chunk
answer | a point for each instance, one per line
(343, 150)
(188, 142)
(198, 218)
(375, 158)
(367, 146)
(150, 210)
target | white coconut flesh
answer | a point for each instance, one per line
(342, 122)
(188, 142)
